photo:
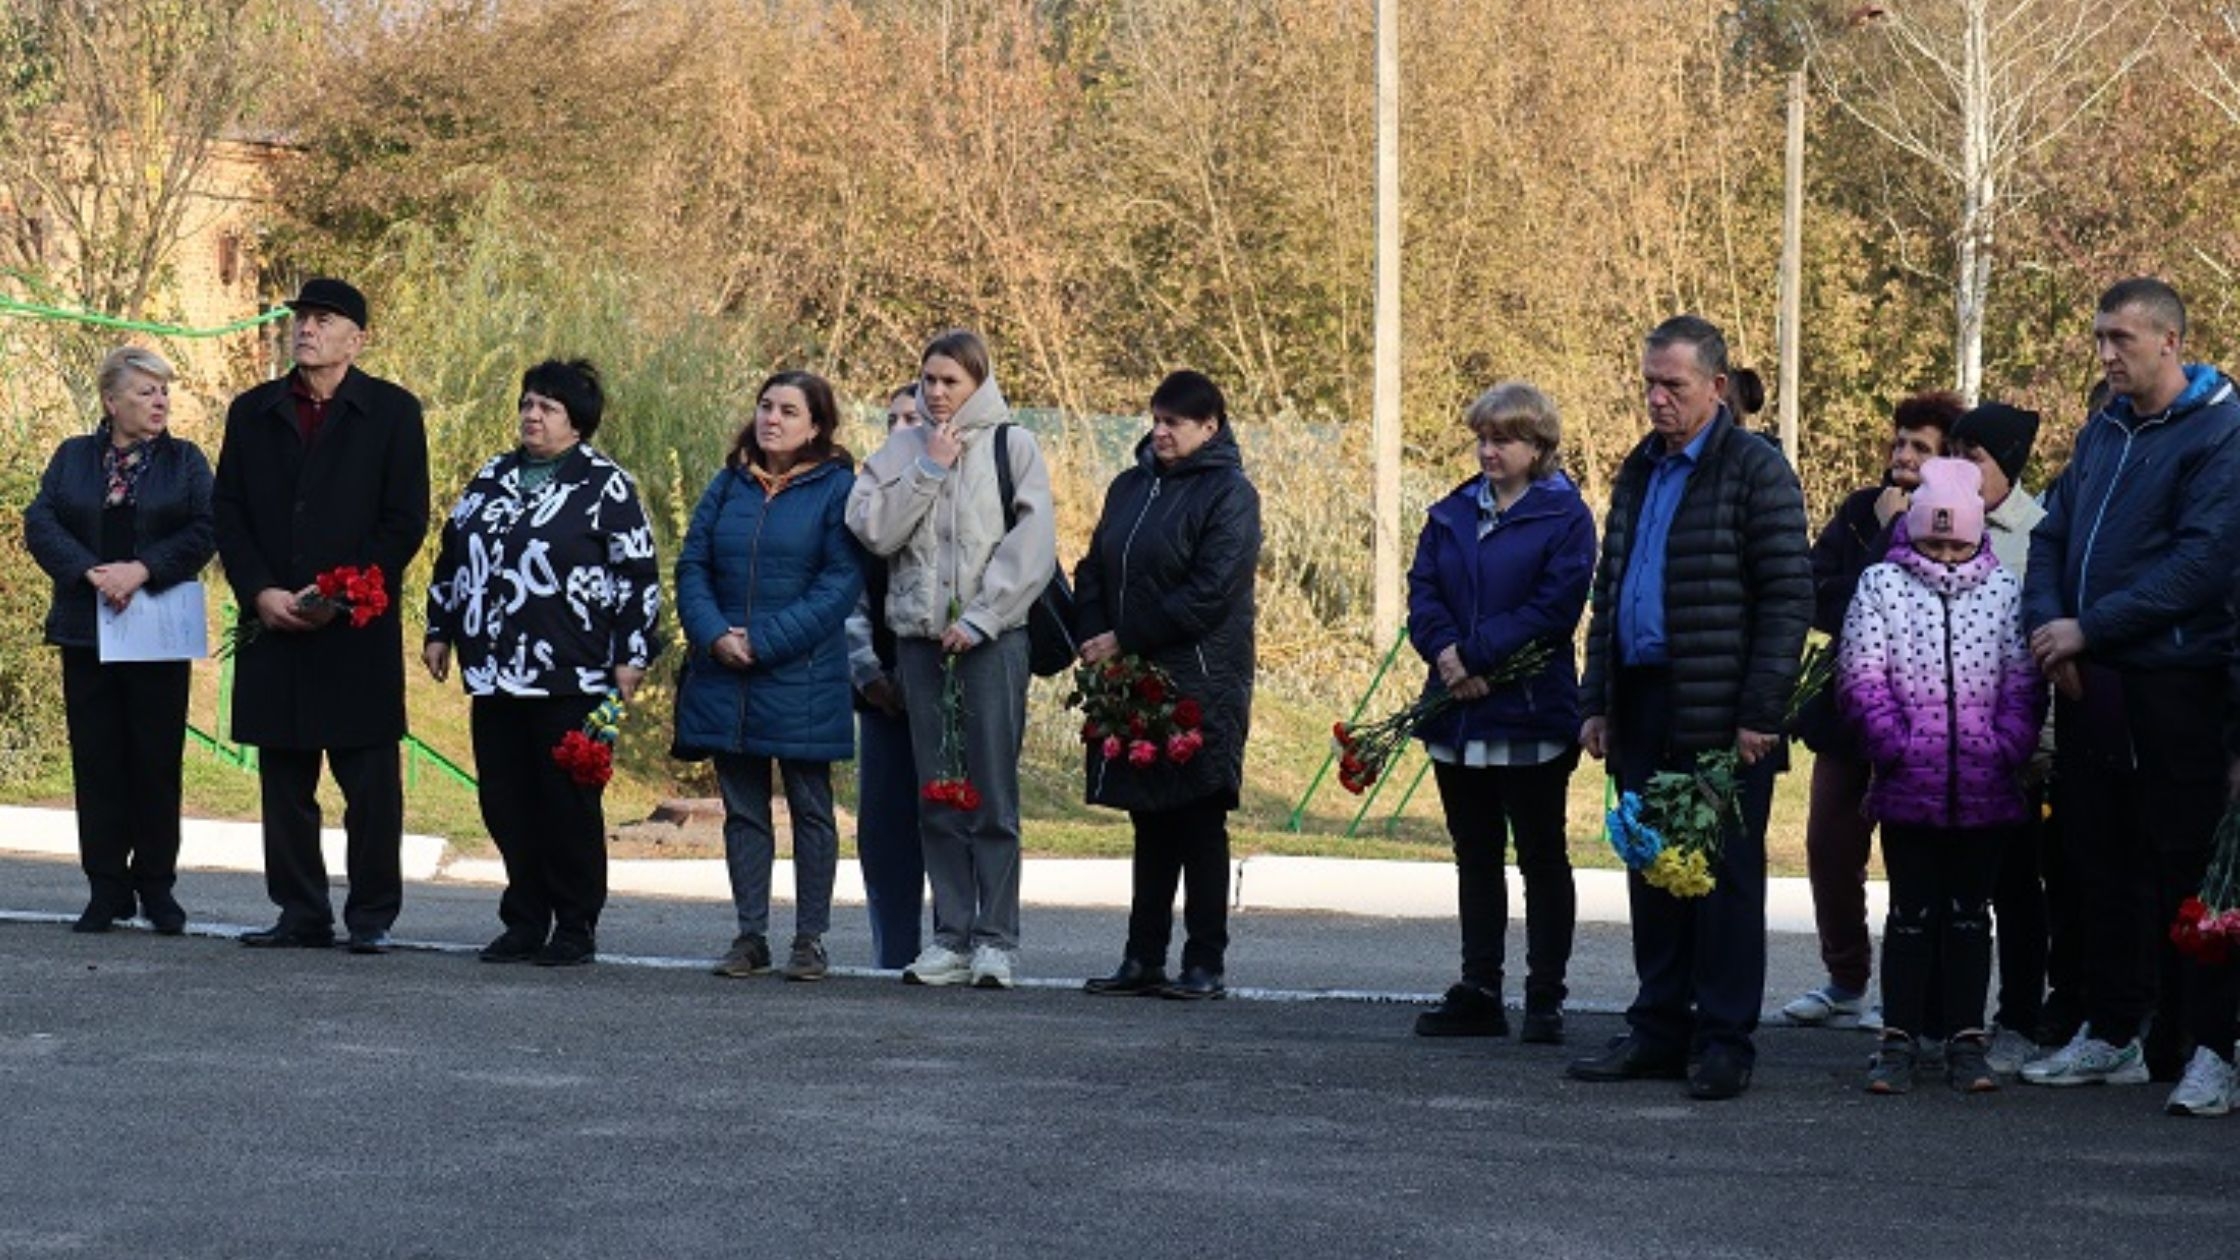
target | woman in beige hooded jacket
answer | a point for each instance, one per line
(960, 584)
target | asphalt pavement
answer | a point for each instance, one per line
(187, 1097)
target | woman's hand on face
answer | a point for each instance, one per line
(956, 640)
(437, 657)
(1100, 649)
(944, 444)
(732, 650)
(626, 680)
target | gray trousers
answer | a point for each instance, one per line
(972, 857)
(749, 844)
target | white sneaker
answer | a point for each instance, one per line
(1821, 1008)
(2009, 1051)
(2090, 1061)
(937, 966)
(991, 968)
(2207, 1088)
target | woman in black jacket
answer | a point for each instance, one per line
(1169, 579)
(122, 511)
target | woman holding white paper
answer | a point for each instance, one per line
(123, 512)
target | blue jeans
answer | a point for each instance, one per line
(894, 866)
(749, 845)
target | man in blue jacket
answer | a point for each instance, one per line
(2126, 606)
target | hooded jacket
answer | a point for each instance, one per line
(2140, 531)
(784, 567)
(1947, 698)
(942, 534)
(1170, 574)
(1525, 581)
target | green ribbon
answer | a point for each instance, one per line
(34, 310)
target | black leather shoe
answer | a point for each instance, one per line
(1133, 979)
(1541, 1028)
(281, 936)
(1719, 1075)
(1465, 1011)
(374, 942)
(1195, 984)
(1627, 1059)
(566, 949)
(101, 913)
(164, 913)
(512, 947)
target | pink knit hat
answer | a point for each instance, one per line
(1948, 503)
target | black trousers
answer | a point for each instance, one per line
(551, 830)
(127, 724)
(1936, 942)
(1701, 961)
(1484, 805)
(2142, 814)
(295, 872)
(2037, 914)
(1189, 843)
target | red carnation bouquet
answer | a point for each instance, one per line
(950, 785)
(1364, 751)
(359, 594)
(2208, 926)
(1132, 709)
(587, 753)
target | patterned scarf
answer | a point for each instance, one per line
(123, 468)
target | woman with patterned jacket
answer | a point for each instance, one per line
(1934, 671)
(548, 592)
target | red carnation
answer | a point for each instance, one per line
(1183, 745)
(1142, 753)
(1151, 689)
(967, 797)
(1187, 714)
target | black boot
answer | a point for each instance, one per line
(106, 907)
(1133, 979)
(1466, 1011)
(164, 911)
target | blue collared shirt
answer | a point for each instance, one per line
(1641, 598)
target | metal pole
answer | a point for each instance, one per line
(1792, 268)
(1386, 502)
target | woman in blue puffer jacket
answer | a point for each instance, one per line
(1505, 562)
(765, 583)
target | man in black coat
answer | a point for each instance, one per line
(322, 468)
(1700, 609)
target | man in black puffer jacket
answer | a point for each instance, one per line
(1701, 605)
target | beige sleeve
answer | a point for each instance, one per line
(1028, 555)
(892, 494)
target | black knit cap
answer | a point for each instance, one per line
(2005, 432)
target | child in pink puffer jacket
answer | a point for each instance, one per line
(1936, 675)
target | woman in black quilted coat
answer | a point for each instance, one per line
(1169, 578)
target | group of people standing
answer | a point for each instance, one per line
(809, 590)
(805, 588)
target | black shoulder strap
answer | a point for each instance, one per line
(1004, 486)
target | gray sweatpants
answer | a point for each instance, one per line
(972, 857)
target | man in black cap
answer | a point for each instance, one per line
(322, 468)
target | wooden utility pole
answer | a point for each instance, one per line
(1386, 427)
(1792, 268)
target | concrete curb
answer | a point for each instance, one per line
(1400, 890)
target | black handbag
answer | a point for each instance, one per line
(1052, 646)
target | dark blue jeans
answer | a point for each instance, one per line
(894, 867)
(1701, 961)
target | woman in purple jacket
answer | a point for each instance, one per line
(1505, 562)
(1948, 702)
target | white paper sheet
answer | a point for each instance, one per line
(167, 625)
